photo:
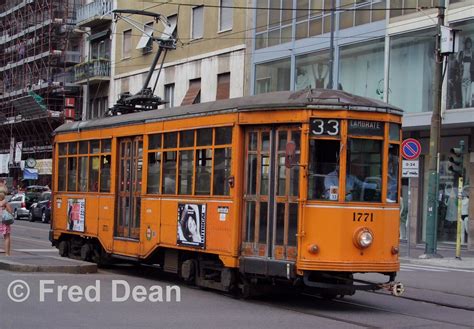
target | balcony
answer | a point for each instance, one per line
(93, 72)
(94, 13)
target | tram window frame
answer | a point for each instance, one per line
(216, 145)
(325, 130)
(81, 154)
(378, 181)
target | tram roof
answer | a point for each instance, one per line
(309, 98)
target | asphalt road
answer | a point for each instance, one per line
(436, 298)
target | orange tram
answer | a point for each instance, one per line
(288, 188)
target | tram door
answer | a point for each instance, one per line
(127, 222)
(270, 194)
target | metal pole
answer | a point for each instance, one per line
(331, 46)
(435, 133)
(88, 98)
(459, 226)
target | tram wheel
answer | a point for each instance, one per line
(85, 251)
(63, 248)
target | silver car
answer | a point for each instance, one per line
(19, 206)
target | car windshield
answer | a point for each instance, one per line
(32, 197)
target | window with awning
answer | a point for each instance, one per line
(193, 95)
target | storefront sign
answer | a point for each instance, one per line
(44, 166)
(410, 168)
(366, 128)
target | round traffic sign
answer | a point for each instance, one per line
(411, 149)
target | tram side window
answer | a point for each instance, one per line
(62, 170)
(82, 165)
(203, 171)
(169, 172)
(393, 170)
(105, 164)
(323, 180)
(222, 160)
(72, 174)
(154, 172)
(364, 170)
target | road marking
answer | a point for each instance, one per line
(31, 240)
(31, 228)
(434, 268)
(37, 250)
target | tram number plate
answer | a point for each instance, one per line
(362, 216)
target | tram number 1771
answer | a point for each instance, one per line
(362, 216)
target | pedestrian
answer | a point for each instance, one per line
(5, 229)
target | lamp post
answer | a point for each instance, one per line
(88, 69)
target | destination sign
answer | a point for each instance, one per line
(366, 128)
(325, 127)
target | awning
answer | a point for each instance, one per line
(192, 93)
(100, 35)
(146, 37)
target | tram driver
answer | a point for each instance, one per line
(352, 184)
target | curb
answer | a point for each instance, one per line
(74, 267)
(448, 263)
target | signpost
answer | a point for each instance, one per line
(411, 150)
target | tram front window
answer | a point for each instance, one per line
(364, 170)
(323, 182)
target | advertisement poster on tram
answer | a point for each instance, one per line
(191, 225)
(76, 214)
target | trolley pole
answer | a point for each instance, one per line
(435, 133)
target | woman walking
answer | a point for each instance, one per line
(5, 229)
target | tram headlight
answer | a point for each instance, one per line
(363, 238)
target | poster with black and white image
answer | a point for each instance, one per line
(460, 91)
(191, 225)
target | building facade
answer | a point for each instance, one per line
(37, 52)
(383, 50)
(207, 64)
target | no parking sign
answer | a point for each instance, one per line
(411, 149)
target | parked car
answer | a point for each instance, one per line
(37, 188)
(18, 204)
(41, 209)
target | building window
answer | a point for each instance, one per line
(312, 71)
(197, 26)
(223, 86)
(146, 41)
(273, 76)
(225, 15)
(127, 44)
(361, 12)
(361, 69)
(193, 95)
(169, 95)
(274, 22)
(405, 7)
(461, 69)
(411, 71)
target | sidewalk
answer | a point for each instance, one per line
(448, 257)
(52, 262)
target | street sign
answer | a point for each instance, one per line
(410, 168)
(411, 149)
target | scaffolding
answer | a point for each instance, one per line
(37, 53)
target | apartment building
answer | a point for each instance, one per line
(37, 52)
(383, 50)
(207, 64)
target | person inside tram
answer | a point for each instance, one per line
(353, 184)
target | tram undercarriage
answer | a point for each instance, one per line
(207, 271)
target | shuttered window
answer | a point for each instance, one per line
(198, 22)
(127, 44)
(223, 86)
(225, 15)
(193, 95)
